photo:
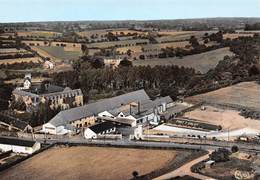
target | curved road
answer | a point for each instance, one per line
(186, 170)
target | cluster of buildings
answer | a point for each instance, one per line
(128, 109)
(54, 96)
(93, 119)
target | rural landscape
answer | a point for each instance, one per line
(140, 99)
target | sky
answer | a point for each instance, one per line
(71, 10)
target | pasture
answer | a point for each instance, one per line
(46, 34)
(12, 50)
(60, 53)
(21, 60)
(200, 62)
(246, 94)
(84, 162)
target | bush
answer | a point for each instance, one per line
(220, 155)
(234, 149)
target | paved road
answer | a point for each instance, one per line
(186, 170)
(125, 142)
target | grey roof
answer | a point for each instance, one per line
(146, 107)
(166, 100)
(47, 89)
(24, 93)
(19, 124)
(67, 116)
(17, 142)
(101, 127)
(51, 91)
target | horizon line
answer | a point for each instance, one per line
(140, 20)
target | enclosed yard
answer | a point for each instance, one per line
(227, 119)
(91, 163)
(201, 62)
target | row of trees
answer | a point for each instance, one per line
(88, 78)
(17, 55)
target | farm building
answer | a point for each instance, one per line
(18, 145)
(13, 123)
(112, 62)
(103, 128)
(127, 109)
(48, 65)
(55, 96)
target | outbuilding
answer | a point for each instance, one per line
(100, 129)
(18, 145)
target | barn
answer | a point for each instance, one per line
(103, 128)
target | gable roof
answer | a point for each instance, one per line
(64, 117)
(15, 122)
(146, 107)
(17, 142)
(101, 127)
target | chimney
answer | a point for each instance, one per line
(139, 108)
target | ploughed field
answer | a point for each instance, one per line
(84, 162)
(200, 62)
(246, 94)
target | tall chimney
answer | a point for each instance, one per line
(139, 108)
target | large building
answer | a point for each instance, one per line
(18, 145)
(55, 96)
(127, 109)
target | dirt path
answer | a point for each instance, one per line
(186, 170)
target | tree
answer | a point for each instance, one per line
(135, 174)
(220, 155)
(194, 41)
(84, 49)
(129, 52)
(126, 63)
(234, 149)
(111, 37)
(254, 70)
(142, 57)
(97, 63)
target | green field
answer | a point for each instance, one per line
(58, 52)
(200, 62)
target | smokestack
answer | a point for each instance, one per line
(139, 104)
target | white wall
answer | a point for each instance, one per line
(20, 149)
(105, 114)
(49, 128)
(89, 134)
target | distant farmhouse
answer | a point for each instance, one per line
(128, 109)
(55, 96)
(112, 62)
